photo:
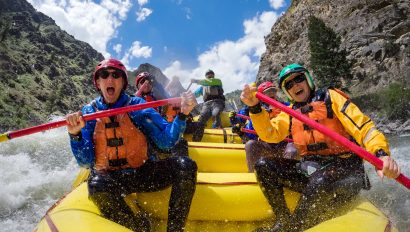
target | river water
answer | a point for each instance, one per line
(37, 170)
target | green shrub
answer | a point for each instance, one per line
(397, 101)
(392, 102)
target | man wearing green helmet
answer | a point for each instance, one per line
(328, 175)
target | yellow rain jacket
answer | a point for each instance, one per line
(356, 124)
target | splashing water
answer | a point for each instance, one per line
(36, 171)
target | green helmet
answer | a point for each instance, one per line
(288, 71)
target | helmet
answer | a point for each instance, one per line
(288, 71)
(142, 76)
(209, 72)
(110, 63)
(264, 86)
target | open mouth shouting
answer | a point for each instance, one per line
(111, 91)
(299, 91)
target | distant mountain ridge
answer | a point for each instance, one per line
(43, 69)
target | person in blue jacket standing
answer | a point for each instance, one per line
(117, 150)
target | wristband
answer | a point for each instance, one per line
(75, 137)
(182, 116)
(381, 153)
(255, 109)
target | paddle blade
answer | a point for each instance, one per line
(4, 137)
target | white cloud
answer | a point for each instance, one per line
(175, 69)
(276, 4)
(117, 48)
(143, 13)
(142, 2)
(234, 62)
(136, 51)
(88, 21)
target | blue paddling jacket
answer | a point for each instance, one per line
(156, 129)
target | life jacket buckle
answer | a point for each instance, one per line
(306, 109)
(112, 125)
(317, 146)
(117, 162)
(115, 142)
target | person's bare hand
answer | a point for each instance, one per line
(75, 122)
(390, 168)
(248, 95)
(188, 102)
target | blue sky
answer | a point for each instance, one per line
(181, 37)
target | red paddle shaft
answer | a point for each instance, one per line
(100, 114)
(243, 116)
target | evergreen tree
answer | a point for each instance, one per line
(328, 62)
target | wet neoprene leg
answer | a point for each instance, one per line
(217, 108)
(206, 113)
(257, 149)
(114, 208)
(323, 195)
(268, 173)
(183, 188)
(180, 148)
(105, 192)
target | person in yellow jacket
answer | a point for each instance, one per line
(328, 175)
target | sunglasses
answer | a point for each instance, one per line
(270, 91)
(104, 74)
(297, 79)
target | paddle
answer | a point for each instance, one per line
(189, 86)
(105, 113)
(333, 135)
(243, 116)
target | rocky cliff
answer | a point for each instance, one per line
(376, 36)
(375, 33)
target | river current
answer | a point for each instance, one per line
(37, 170)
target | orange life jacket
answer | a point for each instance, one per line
(118, 144)
(310, 141)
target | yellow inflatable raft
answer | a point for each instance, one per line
(222, 201)
(224, 120)
(218, 157)
(218, 136)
